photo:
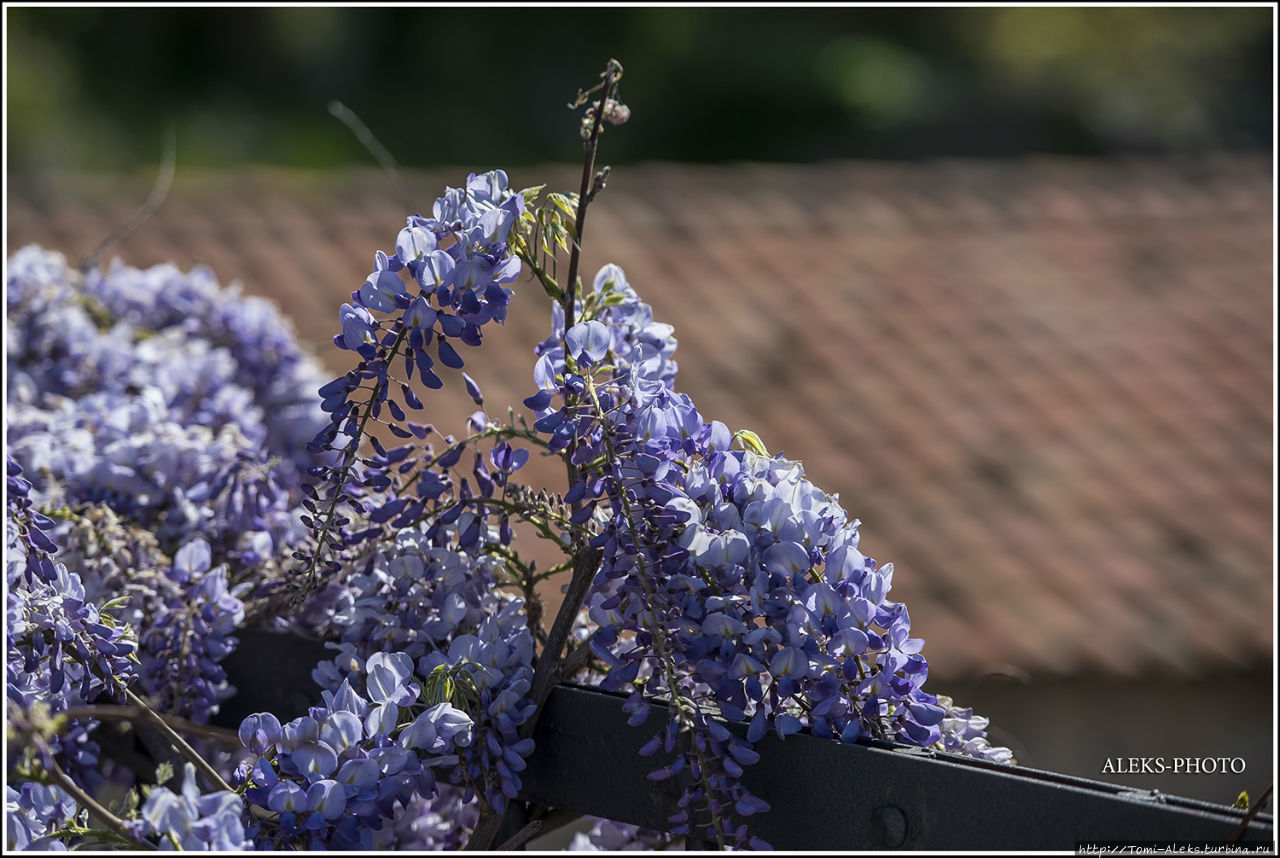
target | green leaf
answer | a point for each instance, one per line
(438, 687)
(553, 290)
(570, 229)
(132, 801)
(750, 441)
(531, 194)
(114, 605)
(98, 837)
(567, 203)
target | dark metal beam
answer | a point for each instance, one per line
(825, 795)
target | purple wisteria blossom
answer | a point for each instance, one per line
(750, 574)
(339, 773)
(151, 514)
(193, 821)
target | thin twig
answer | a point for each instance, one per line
(568, 300)
(598, 183)
(109, 819)
(553, 819)
(522, 836)
(1248, 817)
(547, 672)
(576, 660)
(134, 714)
(612, 74)
(348, 117)
(164, 180)
(585, 560)
(210, 774)
(609, 79)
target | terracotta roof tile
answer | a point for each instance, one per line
(1044, 385)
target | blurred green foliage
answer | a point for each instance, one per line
(94, 87)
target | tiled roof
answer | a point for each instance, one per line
(1044, 386)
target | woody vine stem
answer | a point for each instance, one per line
(586, 560)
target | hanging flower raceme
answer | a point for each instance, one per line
(436, 602)
(749, 575)
(456, 265)
(60, 649)
(333, 776)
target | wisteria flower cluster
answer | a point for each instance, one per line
(749, 574)
(153, 481)
(178, 468)
(61, 651)
(191, 820)
(439, 607)
(182, 407)
(32, 812)
(335, 777)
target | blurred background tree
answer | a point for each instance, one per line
(93, 87)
